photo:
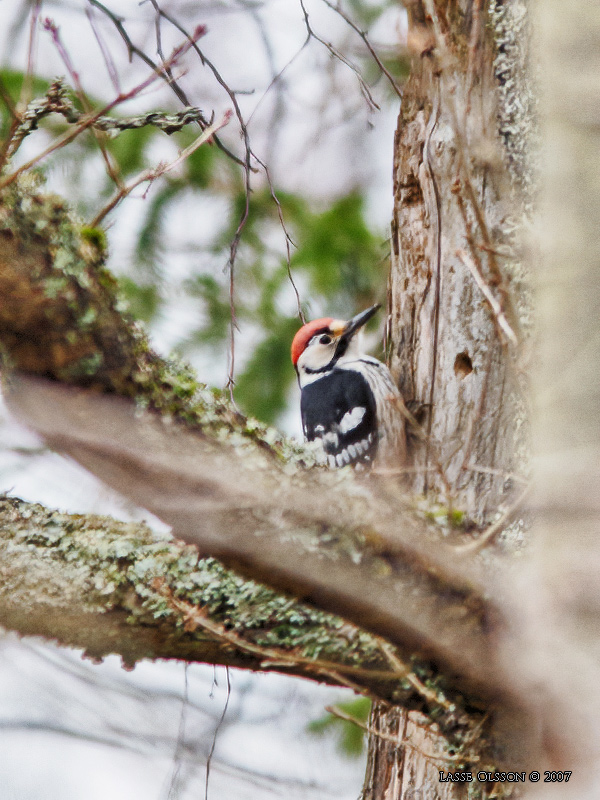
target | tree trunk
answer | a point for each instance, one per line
(455, 300)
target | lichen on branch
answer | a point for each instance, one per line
(108, 587)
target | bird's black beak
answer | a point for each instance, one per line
(358, 321)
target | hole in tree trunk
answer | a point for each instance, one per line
(463, 365)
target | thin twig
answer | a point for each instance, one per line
(150, 175)
(336, 53)
(132, 50)
(248, 169)
(111, 168)
(180, 745)
(288, 239)
(497, 527)
(343, 680)
(502, 323)
(409, 675)
(235, 242)
(217, 729)
(369, 46)
(276, 78)
(388, 737)
(26, 86)
(499, 472)
(111, 68)
(195, 617)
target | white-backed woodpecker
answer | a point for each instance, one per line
(349, 401)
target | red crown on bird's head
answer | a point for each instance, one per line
(306, 333)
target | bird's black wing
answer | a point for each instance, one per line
(339, 409)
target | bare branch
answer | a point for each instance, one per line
(132, 50)
(336, 54)
(89, 119)
(150, 175)
(108, 60)
(363, 35)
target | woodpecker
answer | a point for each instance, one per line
(348, 400)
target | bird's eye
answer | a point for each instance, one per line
(325, 339)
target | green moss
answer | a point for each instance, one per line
(442, 515)
(125, 558)
(120, 563)
(86, 367)
(95, 237)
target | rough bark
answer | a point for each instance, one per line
(409, 765)
(460, 187)
(453, 196)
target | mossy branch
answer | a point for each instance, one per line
(106, 586)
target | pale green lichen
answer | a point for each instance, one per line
(125, 558)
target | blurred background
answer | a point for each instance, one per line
(314, 117)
